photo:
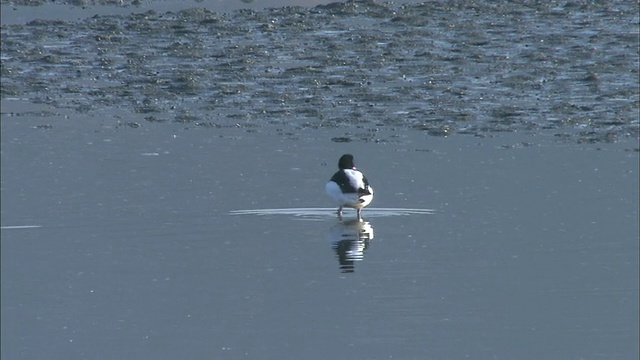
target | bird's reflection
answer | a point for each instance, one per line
(349, 239)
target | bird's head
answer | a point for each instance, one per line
(346, 162)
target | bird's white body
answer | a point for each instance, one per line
(349, 188)
(350, 200)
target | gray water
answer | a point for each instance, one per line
(139, 153)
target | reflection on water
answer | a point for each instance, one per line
(349, 239)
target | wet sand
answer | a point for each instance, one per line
(568, 71)
(130, 143)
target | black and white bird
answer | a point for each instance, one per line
(349, 187)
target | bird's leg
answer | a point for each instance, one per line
(340, 213)
(359, 215)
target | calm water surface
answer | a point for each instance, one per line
(532, 251)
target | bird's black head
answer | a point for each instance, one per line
(346, 162)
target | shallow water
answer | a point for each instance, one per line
(152, 215)
(531, 251)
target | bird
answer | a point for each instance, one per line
(349, 187)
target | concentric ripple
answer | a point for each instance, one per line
(319, 213)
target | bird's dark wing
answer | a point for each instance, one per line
(342, 180)
(366, 190)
